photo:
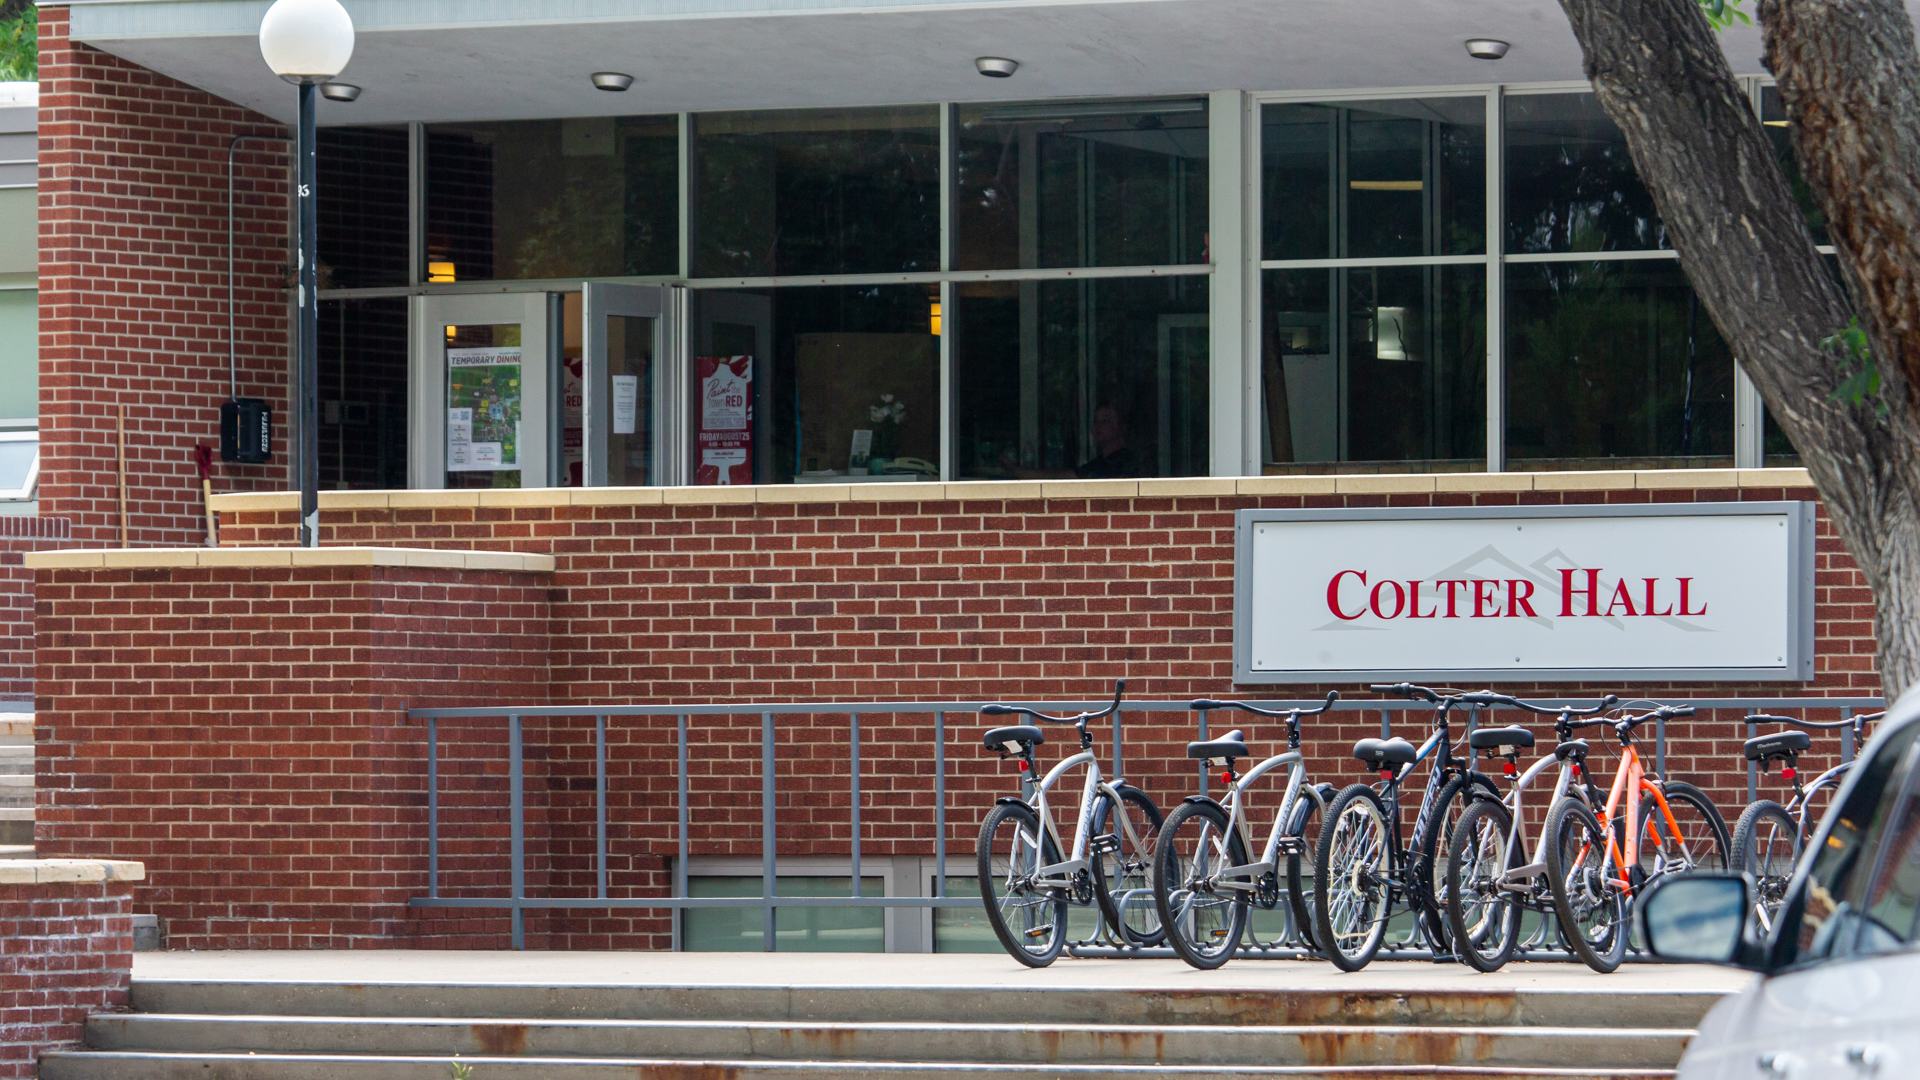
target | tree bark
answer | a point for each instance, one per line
(1849, 80)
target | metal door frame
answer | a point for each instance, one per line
(427, 390)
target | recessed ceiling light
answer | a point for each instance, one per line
(1487, 48)
(612, 80)
(339, 91)
(996, 67)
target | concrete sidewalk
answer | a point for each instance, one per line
(401, 966)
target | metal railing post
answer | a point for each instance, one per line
(680, 864)
(1753, 768)
(1386, 723)
(517, 835)
(433, 808)
(1660, 747)
(853, 730)
(769, 884)
(1202, 763)
(1117, 772)
(600, 800)
(940, 805)
(1846, 736)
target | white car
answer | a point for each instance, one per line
(1838, 986)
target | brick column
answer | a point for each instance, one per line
(68, 929)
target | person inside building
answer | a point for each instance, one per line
(1113, 459)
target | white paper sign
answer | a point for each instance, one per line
(1611, 592)
(626, 397)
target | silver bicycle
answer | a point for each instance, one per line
(1027, 886)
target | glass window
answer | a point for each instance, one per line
(1614, 364)
(484, 395)
(1778, 449)
(19, 354)
(817, 191)
(833, 384)
(1824, 918)
(966, 929)
(1571, 184)
(1102, 378)
(1374, 179)
(589, 197)
(1112, 183)
(1382, 365)
(795, 929)
(363, 393)
(1773, 117)
(363, 208)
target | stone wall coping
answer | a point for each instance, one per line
(153, 558)
(960, 491)
(68, 871)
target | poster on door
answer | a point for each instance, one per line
(724, 442)
(572, 422)
(483, 410)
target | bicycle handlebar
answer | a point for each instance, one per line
(1279, 714)
(1119, 688)
(1405, 690)
(1856, 723)
(1489, 698)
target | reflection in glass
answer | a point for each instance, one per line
(1778, 449)
(828, 363)
(363, 393)
(484, 396)
(1374, 364)
(1102, 378)
(1773, 117)
(1614, 364)
(795, 929)
(1065, 184)
(363, 207)
(1374, 178)
(629, 397)
(1571, 184)
(817, 191)
(588, 197)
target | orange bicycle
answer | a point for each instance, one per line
(1594, 873)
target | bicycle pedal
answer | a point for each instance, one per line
(1104, 845)
(1445, 958)
(1039, 931)
(1292, 845)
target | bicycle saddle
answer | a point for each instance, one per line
(1571, 746)
(1229, 746)
(1024, 735)
(1378, 753)
(1778, 744)
(1492, 738)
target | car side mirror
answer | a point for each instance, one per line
(1699, 917)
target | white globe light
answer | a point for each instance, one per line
(306, 39)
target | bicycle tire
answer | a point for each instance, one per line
(1204, 936)
(1579, 877)
(1704, 844)
(1123, 880)
(1355, 840)
(1477, 857)
(1305, 827)
(1766, 845)
(1039, 911)
(1429, 864)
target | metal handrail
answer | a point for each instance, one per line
(518, 903)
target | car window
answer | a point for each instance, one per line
(1844, 904)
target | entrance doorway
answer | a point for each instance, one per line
(482, 397)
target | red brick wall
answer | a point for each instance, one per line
(69, 953)
(133, 255)
(243, 732)
(19, 535)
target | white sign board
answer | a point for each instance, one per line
(1716, 591)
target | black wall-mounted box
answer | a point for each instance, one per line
(246, 431)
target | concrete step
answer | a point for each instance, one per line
(1619, 1005)
(16, 791)
(108, 1065)
(1005, 1043)
(16, 824)
(16, 760)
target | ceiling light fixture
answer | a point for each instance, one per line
(612, 81)
(996, 67)
(1487, 48)
(339, 91)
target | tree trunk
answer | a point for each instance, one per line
(1849, 81)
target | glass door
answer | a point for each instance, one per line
(481, 397)
(624, 378)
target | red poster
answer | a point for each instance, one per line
(723, 445)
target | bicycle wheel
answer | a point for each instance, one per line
(1700, 844)
(1430, 862)
(1589, 901)
(1307, 816)
(1483, 917)
(1352, 898)
(1030, 922)
(1766, 845)
(1123, 877)
(1203, 923)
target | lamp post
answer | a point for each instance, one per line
(307, 42)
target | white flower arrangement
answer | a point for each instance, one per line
(888, 411)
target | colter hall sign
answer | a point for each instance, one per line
(1715, 591)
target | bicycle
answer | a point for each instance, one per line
(1025, 884)
(1486, 887)
(1203, 882)
(1595, 873)
(1768, 838)
(1362, 865)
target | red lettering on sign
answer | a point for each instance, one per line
(1483, 594)
(1413, 603)
(1399, 599)
(1684, 582)
(1333, 594)
(1452, 596)
(1517, 599)
(1620, 597)
(1568, 592)
(1647, 608)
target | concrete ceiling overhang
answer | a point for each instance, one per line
(503, 59)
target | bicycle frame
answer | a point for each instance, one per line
(1061, 875)
(1630, 780)
(1520, 878)
(1247, 878)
